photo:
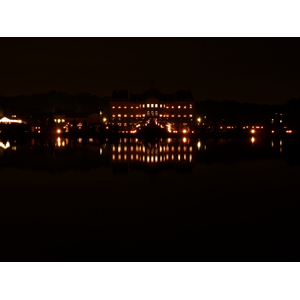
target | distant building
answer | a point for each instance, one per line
(127, 109)
(70, 117)
(95, 118)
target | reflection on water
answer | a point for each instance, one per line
(87, 197)
(126, 154)
(163, 151)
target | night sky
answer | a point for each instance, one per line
(260, 70)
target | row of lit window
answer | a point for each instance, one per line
(154, 105)
(59, 120)
(152, 114)
(134, 130)
(151, 158)
(156, 150)
(136, 140)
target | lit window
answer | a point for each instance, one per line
(172, 116)
(167, 116)
(119, 115)
(179, 106)
(125, 107)
(113, 116)
(179, 116)
(143, 115)
(136, 116)
(113, 107)
(148, 105)
(152, 105)
(55, 120)
(191, 116)
(143, 105)
(160, 105)
(125, 116)
(156, 105)
(172, 106)
(167, 106)
(184, 107)
(184, 116)
(131, 116)
(191, 106)
(160, 115)
(136, 107)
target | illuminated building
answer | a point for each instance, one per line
(63, 118)
(177, 109)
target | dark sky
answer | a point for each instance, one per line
(261, 70)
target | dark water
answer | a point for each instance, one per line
(137, 200)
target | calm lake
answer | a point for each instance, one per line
(128, 199)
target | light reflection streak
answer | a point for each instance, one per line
(161, 152)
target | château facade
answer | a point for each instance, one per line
(127, 109)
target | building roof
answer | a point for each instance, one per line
(125, 95)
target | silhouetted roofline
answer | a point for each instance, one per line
(125, 95)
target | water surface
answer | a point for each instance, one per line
(136, 200)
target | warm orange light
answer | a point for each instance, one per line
(58, 131)
(6, 120)
(5, 146)
(252, 131)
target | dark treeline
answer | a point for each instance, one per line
(233, 112)
(51, 102)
